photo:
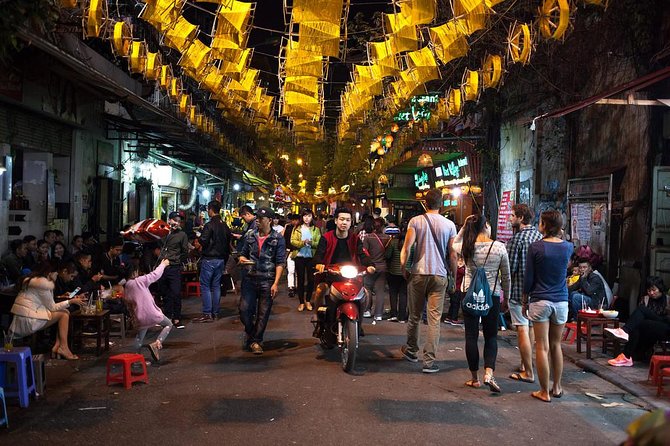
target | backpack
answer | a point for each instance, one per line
(478, 300)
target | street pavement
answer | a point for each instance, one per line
(206, 390)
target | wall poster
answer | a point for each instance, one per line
(504, 230)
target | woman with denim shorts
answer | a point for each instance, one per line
(545, 297)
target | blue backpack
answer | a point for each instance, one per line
(478, 300)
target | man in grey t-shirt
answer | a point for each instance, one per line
(428, 279)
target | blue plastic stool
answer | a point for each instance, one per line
(24, 383)
(5, 418)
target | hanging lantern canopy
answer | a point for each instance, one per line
(425, 160)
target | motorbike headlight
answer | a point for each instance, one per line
(349, 271)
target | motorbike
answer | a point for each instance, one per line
(337, 322)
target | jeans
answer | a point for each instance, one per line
(303, 268)
(397, 295)
(455, 305)
(170, 284)
(375, 285)
(211, 271)
(490, 331)
(167, 327)
(644, 328)
(422, 288)
(255, 306)
(290, 271)
(576, 299)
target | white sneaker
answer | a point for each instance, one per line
(618, 332)
(367, 314)
(378, 318)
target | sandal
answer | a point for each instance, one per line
(474, 383)
(490, 381)
(537, 396)
(519, 377)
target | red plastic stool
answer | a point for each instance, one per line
(126, 376)
(192, 289)
(570, 331)
(663, 373)
(655, 365)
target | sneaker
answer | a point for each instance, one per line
(430, 369)
(393, 319)
(411, 357)
(203, 319)
(256, 348)
(455, 322)
(621, 361)
(154, 349)
(367, 314)
(402, 321)
(378, 318)
(617, 332)
(308, 305)
(178, 324)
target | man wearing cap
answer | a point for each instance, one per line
(174, 249)
(215, 242)
(263, 254)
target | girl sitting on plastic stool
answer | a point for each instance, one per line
(144, 310)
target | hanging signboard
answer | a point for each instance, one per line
(453, 172)
(421, 180)
(504, 230)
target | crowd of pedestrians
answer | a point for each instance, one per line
(414, 270)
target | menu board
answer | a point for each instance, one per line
(504, 232)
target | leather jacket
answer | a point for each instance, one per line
(215, 239)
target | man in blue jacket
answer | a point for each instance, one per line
(263, 254)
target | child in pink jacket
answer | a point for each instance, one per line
(145, 311)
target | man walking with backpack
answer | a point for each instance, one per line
(432, 237)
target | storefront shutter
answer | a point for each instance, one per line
(31, 131)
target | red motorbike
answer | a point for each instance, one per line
(337, 322)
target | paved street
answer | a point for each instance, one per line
(208, 391)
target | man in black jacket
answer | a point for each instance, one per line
(175, 249)
(215, 242)
(589, 291)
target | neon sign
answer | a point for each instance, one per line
(452, 173)
(421, 180)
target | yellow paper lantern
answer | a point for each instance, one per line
(554, 18)
(121, 39)
(520, 43)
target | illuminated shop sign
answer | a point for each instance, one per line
(421, 180)
(452, 172)
(420, 108)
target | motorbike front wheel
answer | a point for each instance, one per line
(349, 344)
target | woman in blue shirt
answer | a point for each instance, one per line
(545, 296)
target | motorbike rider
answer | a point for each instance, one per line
(340, 245)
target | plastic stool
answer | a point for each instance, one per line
(5, 418)
(121, 319)
(192, 289)
(570, 331)
(655, 365)
(663, 373)
(126, 376)
(24, 383)
(40, 369)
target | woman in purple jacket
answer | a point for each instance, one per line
(144, 309)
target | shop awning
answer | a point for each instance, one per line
(401, 194)
(253, 180)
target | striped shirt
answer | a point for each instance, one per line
(517, 248)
